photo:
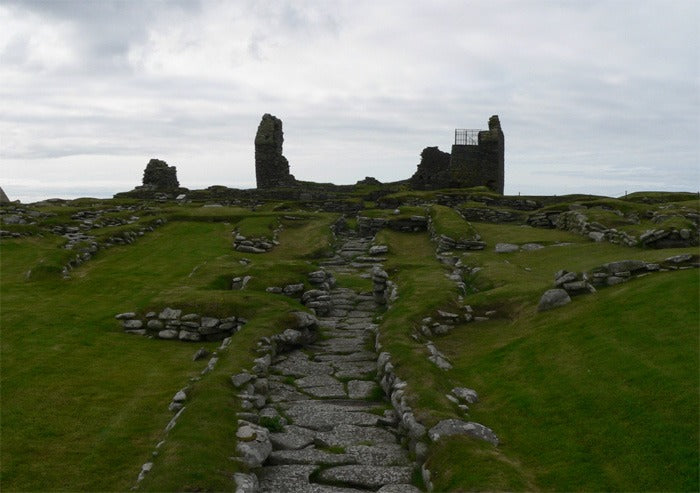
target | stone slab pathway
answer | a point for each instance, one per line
(342, 434)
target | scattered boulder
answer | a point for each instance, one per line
(449, 427)
(467, 395)
(200, 354)
(253, 445)
(132, 324)
(506, 248)
(553, 298)
(293, 289)
(246, 483)
(170, 314)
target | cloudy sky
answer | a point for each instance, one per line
(593, 96)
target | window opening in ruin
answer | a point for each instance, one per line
(467, 136)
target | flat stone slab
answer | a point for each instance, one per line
(347, 333)
(301, 368)
(286, 479)
(356, 324)
(358, 356)
(315, 381)
(343, 345)
(361, 314)
(310, 456)
(354, 369)
(385, 454)
(327, 420)
(361, 389)
(323, 488)
(506, 248)
(335, 391)
(398, 488)
(280, 392)
(370, 477)
(346, 435)
(292, 438)
(449, 427)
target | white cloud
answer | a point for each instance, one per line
(362, 87)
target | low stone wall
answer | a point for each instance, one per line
(577, 222)
(370, 226)
(170, 323)
(255, 245)
(92, 246)
(254, 445)
(486, 215)
(568, 284)
(446, 243)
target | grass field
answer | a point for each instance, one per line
(599, 395)
(84, 404)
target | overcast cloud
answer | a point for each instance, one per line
(593, 96)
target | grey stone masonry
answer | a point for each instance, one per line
(171, 323)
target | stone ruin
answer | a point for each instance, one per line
(159, 176)
(271, 167)
(433, 169)
(3, 197)
(477, 159)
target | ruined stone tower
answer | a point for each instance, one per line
(477, 159)
(271, 167)
(159, 176)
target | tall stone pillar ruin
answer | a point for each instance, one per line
(271, 167)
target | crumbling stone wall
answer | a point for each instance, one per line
(159, 176)
(432, 170)
(467, 166)
(271, 167)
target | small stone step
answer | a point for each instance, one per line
(310, 456)
(346, 435)
(371, 477)
(293, 437)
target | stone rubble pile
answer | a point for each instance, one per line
(170, 323)
(444, 322)
(253, 245)
(257, 245)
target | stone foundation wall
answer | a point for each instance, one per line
(170, 323)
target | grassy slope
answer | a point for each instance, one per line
(82, 403)
(600, 395)
(87, 411)
(626, 425)
(195, 456)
